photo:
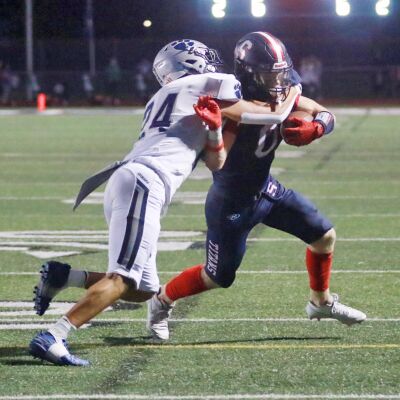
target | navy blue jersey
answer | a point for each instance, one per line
(248, 164)
(247, 167)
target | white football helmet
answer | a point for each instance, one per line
(184, 57)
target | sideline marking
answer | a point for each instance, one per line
(268, 346)
(372, 239)
(194, 320)
(130, 111)
(250, 272)
(246, 396)
(371, 215)
(92, 240)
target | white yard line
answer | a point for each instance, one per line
(243, 396)
(349, 111)
(98, 246)
(250, 272)
(372, 239)
(20, 321)
(301, 272)
(83, 234)
(33, 198)
(367, 215)
(195, 198)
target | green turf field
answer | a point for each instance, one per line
(251, 341)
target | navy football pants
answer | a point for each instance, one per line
(230, 222)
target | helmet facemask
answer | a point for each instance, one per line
(275, 83)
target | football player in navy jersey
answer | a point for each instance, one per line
(140, 187)
(244, 193)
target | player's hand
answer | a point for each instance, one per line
(208, 110)
(302, 132)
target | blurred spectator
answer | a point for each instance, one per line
(60, 94)
(395, 81)
(9, 81)
(379, 82)
(143, 74)
(311, 72)
(113, 75)
(34, 86)
(88, 88)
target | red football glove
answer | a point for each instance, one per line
(303, 132)
(208, 110)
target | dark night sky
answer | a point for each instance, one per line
(59, 30)
(123, 18)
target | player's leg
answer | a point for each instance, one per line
(55, 277)
(319, 258)
(298, 216)
(133, 203)
(134, 226)
(228, 228)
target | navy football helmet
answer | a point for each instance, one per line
(184, 57)
(264, 67)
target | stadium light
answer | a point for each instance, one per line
(258, 8)
(342, 8)
(147, 23)
(382, 7)
(218, 8)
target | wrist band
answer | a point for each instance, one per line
(327, 120)
(215, 135)
(215, 149)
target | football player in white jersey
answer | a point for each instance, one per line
(172, 140)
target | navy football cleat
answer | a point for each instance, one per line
(46, 347)
(54, 278)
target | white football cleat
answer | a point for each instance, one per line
(157, 318)
(335, 310)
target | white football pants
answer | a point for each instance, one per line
(133, 202)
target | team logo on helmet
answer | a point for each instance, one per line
(240, 51)
(183, 44)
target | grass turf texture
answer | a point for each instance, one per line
(351, 175)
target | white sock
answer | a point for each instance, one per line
(61, 328)
(76, 278)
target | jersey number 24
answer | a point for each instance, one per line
(161, 118)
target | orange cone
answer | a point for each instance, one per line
(41, 102)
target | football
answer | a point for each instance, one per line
(297, 114)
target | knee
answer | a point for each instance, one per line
(326, 243)
(227, 283)
(218, 281)
(111, 283)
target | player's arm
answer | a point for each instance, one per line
(304, 132)
(256, 113)
(230, 130)
(210, 113)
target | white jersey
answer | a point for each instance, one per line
(172, 135)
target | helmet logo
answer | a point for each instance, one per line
(280, 65)
(241, 50)
(184, 44)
